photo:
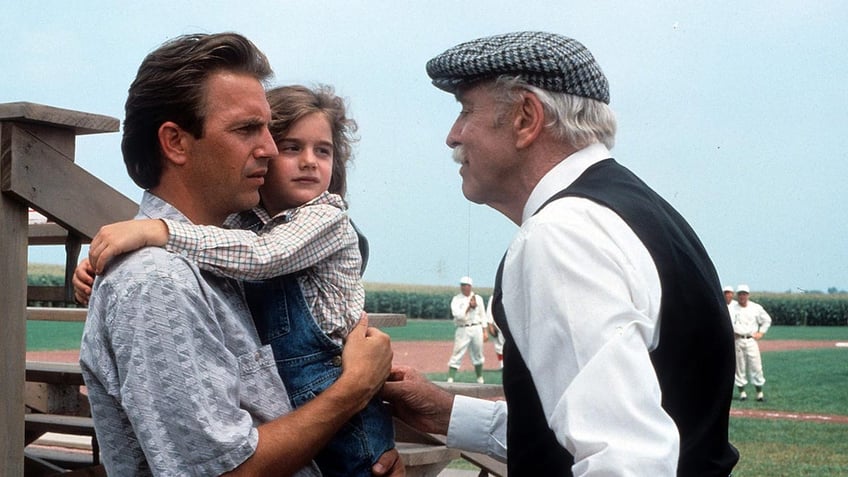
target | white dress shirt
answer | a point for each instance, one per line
(588, 301)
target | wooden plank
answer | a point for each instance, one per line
(77, 121)
(44, 461)
(56, 399)
(42, 293)
(83, 426)
(47, 234)
(482, 391)
(13, 266)
(55, 314)
(54, 373)
(54, 388)
(38, 465)
(425, 460)
(59, 189)
(38, 424)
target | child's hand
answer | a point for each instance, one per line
(122, 237)
(83, 280)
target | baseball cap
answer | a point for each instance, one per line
(743, 289)
(465, 281)
(548, 61)
(727, 288)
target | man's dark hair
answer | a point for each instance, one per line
(171, 85)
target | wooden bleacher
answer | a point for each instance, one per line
(37, 172)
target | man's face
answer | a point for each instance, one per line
(483, 145)
(728, 296)
(228, 164)
(303, 168)
(742, 297)
(465, 289)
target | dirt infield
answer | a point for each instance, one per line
(432, 356)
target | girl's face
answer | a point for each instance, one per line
(303, 168)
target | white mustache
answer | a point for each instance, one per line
(458, 154)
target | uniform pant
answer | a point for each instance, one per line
(748, 362)
(467, 338)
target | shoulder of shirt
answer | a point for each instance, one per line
(572, 215)
(150, 266)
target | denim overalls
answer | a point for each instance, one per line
(309, 362)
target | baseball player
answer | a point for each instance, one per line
(750, 323)
(469, 316)
(728, 297)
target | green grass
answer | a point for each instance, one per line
(789, 448)
(809, 381)
(53, 335)
(423, 330)
(46, 269)
(807, 333)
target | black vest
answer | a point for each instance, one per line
(694, 360)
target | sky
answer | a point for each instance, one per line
(735, 112)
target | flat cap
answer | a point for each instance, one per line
(546, 60)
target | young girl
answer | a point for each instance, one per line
(302, 246)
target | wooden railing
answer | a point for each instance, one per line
(37, 171)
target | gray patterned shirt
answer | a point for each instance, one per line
(177, 378)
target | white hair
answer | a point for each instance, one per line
(577, 120)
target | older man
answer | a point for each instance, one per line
(619, 349)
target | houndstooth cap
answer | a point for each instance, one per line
(545, 60)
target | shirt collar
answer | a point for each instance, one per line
(563, 175)
(154, 207)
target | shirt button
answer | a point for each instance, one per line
(337, 361)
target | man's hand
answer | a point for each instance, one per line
(757, 335)
(83, 280)
(122, 237)
(389, 465)
(366, 360)
(417, 401)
